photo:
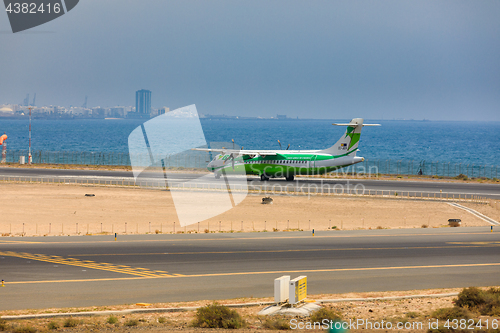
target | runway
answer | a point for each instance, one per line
(412, 188)
(43, 272)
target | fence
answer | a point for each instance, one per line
(188, 160)
(192, 159)
(431, 168)
(264, 189)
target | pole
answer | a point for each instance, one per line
(29, 147)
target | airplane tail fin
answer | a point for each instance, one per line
(348, 143)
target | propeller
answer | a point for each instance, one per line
(281, 147)
(231, 158)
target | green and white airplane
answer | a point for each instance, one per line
(288, 163)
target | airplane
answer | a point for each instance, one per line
(288, 163)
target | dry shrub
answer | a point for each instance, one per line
(52, 325)
(486, 302)
(24, 329)
(112, 320)
(218, 316)
(3, 325)
(451, 313)
(277, 323)
(132, 322)
(425, 226)
(71, 322)
(324, 313)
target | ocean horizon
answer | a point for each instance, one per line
(468, 142)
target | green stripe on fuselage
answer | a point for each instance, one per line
(280, 165)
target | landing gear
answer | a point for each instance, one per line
(290, 178)
(217, 175)
(264, 178)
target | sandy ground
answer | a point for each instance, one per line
(411, 310)
(48, 209)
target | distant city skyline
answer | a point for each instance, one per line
(427, 59)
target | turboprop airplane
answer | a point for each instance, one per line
(288, 163)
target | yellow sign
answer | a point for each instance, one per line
(298, 289)
(301, 289)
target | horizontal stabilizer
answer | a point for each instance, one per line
(354, 125)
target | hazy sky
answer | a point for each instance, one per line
(313, 59)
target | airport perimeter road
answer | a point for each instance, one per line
(96, 270)
(301, 184)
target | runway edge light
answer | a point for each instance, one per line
(281, 289)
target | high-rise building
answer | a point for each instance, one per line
(143, 102)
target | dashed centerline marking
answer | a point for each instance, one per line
(137, 271)
(331, 270)
(453, 245)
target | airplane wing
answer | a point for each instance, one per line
(238, 152)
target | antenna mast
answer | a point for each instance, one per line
(29, 149)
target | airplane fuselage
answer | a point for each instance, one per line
(284, 164)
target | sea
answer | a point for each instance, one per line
(475, 143)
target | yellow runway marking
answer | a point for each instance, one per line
(331, 270)
(138, 271)
(2, 241)
(477, 244)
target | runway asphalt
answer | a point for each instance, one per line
(413, 188)
(42, 272)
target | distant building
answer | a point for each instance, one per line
(143, 102)
(281, 116)
(117, 112)
(98, 112)
(163, 110)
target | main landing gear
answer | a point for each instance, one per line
(290, 178)
(264, 178)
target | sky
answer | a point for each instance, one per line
(384, 59)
